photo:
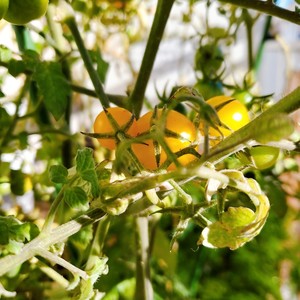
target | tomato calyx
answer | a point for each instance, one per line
(168, 137)
(117, 133)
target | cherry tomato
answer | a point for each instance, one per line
(231, 112)
(209, 89)
(21, 12)
(264, 157)
(122, 117)
(3, 8)
(244, 97)
(175, 122)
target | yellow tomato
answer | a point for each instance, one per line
(231, 112)
(185, 134)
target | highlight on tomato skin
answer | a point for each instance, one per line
(175, 122)
(232, 113)
(103, 125)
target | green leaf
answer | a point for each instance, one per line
(84, 160)
(85, 166)
(76, 197)
(274, 128)
(20, 232)
(13, 232)
(16, 67)
(58, 174)
(53, 87)
(123, 290)
(229, 231)
(82, 238)
(30, 59)
(237, 225)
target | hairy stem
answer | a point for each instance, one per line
(45, 240)
(143, 289)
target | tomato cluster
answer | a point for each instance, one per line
(178, 134)
(20, 12)
(165, 138)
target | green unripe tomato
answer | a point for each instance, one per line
(209, 59)
(20, 183)
(21, 12)
(3, 7)
(244, 97)
(209, 89)
(264, 157)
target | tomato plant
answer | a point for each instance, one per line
(77, 222)
(113, 121)
(232, 113)
(21, 12)
(179, 133)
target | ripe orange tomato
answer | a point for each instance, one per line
(175, 122)
(231, 112)
(102, 125)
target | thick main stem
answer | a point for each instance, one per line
(45, 240)
(143, 289)
(158, 26)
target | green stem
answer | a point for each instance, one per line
(249, 25)
(71, 23)
(98, 242)
(267, 7)
(23, 38)
(143, 289)
(187, 199)
(158, 26)
(54, 206)
(118, 100)
(54, 275)
(262, 43)
(55, 30)
(45, 240)
(55, 259)
(52, 212)
(58, 37)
